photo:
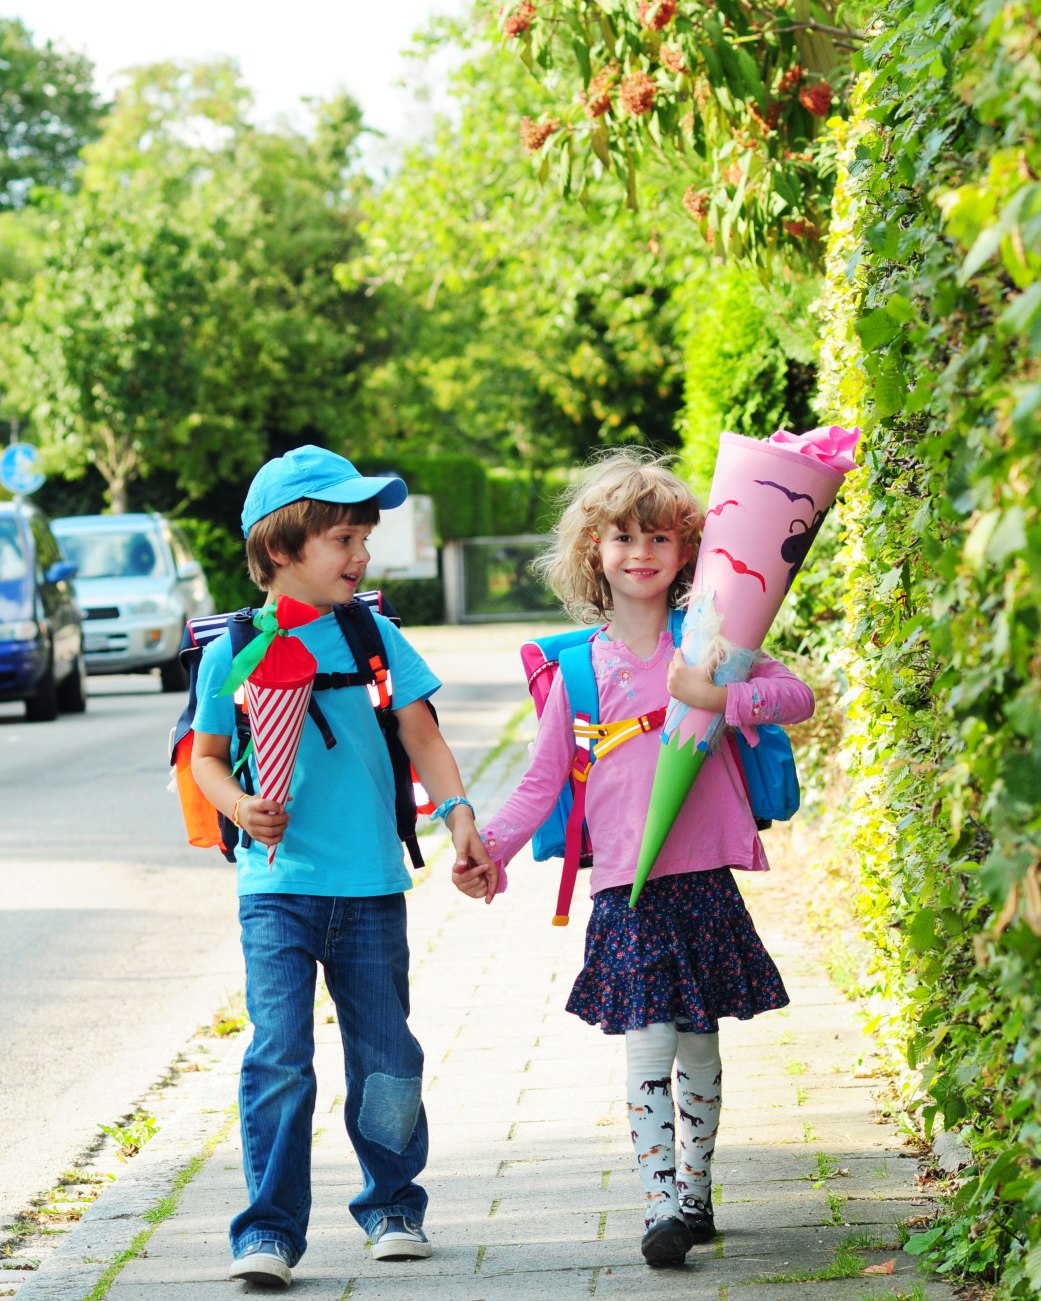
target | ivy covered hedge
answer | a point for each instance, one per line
(935, 279)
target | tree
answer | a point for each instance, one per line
(515, 325)
(104, 350)
(48, 111)
(731, 94)
(185, 318)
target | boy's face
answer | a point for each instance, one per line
(330, 568)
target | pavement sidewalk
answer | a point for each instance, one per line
(533, 1190)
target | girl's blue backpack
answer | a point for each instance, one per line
(769, 767)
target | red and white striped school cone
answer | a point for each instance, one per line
(278, 692)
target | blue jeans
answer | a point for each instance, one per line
(362, 947)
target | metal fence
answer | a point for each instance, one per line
(489, 580)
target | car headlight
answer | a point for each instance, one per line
(20, 630)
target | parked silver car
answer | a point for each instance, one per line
(137, 582)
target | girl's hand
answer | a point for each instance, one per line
(691, 684)
(264, 820)
(473, 873)
(478, 880)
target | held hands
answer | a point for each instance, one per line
(264, 820)
(473, 871)
(691, 684)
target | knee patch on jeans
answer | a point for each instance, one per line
(389, 1110)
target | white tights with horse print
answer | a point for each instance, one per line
(674, 1140)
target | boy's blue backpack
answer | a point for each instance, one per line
(771, 781)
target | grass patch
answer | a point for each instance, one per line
(825, 1166)
(847, 1263)
(131, 1137)
(162, 1210)
(230, 1018)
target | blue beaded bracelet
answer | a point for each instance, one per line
(443, 810)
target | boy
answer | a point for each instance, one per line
(335, 892)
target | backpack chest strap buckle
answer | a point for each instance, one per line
(605, 737)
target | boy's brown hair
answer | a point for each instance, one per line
(287, 529)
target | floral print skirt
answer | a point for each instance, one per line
(688, 952)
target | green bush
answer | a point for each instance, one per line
(943, 557)
(418, 601)
(749, 363)
(458, 485)
(223, 559)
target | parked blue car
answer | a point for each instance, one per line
(41, 625)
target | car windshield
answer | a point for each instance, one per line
(110, 554)
(12, 559)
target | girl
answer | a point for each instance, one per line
(664, 973)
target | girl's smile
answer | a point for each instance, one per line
(640, 562)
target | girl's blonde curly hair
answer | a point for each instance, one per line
(622, 486)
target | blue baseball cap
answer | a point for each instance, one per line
(319, 474)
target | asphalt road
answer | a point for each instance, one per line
(117, 940)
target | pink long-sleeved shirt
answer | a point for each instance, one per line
(715, 827)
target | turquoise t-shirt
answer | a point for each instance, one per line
(342, 835)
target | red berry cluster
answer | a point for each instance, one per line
(638, 93)
(790, 79)
(520, 20)
(672, 59)
(535, 134)
(816, 99)
(656, 14)
(768, 120)
(597, 98)
(696, 203)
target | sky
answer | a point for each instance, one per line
(284, 51)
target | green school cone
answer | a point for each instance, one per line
(677, 767)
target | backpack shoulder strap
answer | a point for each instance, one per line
(363, 637)
(576, 668)
(362, 634)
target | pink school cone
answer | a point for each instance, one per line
(767, 503)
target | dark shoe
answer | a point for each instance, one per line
(698, 1217)
(396, 1238)
(264, 1263)
(666, 1243)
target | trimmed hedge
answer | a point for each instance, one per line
(934, 310)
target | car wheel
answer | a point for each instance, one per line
(173, 676)
(72, 694)
(43, 707)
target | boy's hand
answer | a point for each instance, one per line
(264, 820)
(473, 873)
(478, 880)
(691, 684)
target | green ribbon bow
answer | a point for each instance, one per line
(253, 652)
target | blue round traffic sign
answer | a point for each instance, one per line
(21, 470)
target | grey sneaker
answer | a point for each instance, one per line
(396, 1238)
(264, 1263)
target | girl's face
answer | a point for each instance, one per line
(640, 564)
(329, 570)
